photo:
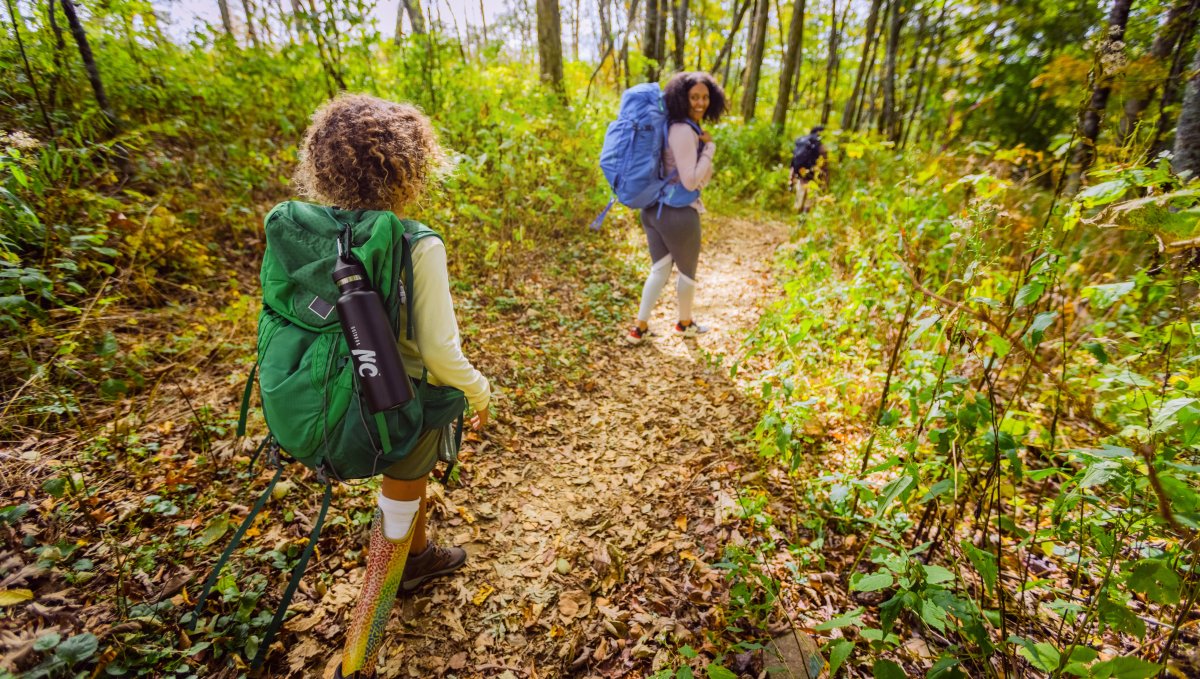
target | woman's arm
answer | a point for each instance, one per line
(695, 170)
(437, 329)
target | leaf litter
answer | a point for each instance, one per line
(592, 510)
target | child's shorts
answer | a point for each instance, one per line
(421, 460)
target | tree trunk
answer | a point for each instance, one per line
(660, 38)
(1089, 123)
(1171, 86)
(680, 25)
(633, 6)
(1187, 132)
(918, 104)
(606, 33)
(791, 64)
(89, 65)
(650, 39)
(60, 55)
(754, 58)
(37, 95)
(727, 48)
(249, 10)
(889, 117)
(837, 63)
(398, 37)
(297, 20)
(483, 20)
(654, 37)
(850, 110)
(827, 104)
(415, 16)
(1181, 13)
(329, 60)
(226, 19)
(549, 27)
(575, 32)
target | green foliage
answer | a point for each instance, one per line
(1041, 391)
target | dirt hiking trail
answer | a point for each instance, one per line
(592, 529)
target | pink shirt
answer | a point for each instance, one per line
(695, 169)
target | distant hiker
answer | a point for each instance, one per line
(810, 160)
(672, 225)
(364, 153)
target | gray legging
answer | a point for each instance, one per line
(674, 238)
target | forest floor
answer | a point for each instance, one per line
(595, 508)
(592, 528)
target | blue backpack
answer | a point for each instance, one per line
(632, 157)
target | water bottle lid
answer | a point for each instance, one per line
(348, 270)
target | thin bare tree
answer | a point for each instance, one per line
(727, 46)
(791, 64)
(849, 112)
(754, 58)
(549, 28)
(112, 124)
(1180, 17)
(889, 119)
(680, 24)
(1187, 132)
(226, 19)
(1089, 123)
(416, 17)
(248, 8)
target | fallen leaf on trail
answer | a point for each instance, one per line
(681, 522)
(213, 532)
(574, 604)
(465, 515)
(482, 595)
(305, 623)
(281, 489)
(457, 661)
(10, 597)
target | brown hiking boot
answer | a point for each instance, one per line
(432, 562)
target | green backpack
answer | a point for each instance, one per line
(314, 410)
(309, 394)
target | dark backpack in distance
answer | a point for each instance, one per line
(806, 153)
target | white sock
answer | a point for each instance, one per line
(398, 516)
(685, 289)
(660, 271)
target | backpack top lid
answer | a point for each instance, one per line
(301, 251)
(642, 101)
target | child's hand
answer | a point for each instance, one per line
(706, 137)
(479, 420)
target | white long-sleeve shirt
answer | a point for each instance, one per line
(437, 346)
(695, 169)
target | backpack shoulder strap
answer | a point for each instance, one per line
(233, 543)
(297, 574)
(414, 232)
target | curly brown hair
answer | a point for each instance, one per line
(675, 95)
(365, 153)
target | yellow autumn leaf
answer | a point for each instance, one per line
(482, 595)
(11, 597)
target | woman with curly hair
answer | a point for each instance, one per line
(673, 226)
(364, 153)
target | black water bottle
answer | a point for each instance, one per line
(369, 334)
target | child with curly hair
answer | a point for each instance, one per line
(365, 153)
